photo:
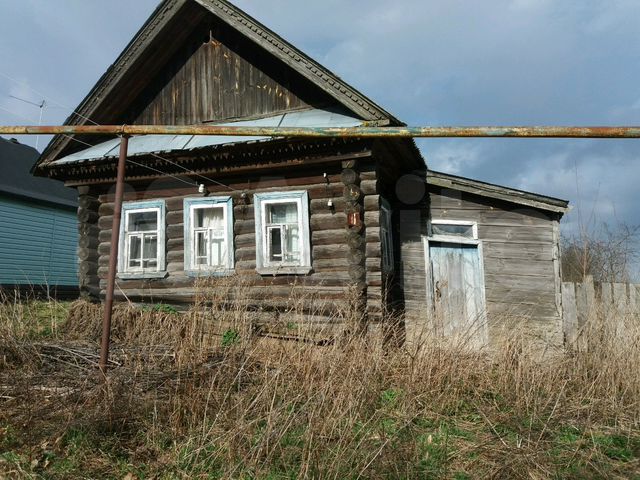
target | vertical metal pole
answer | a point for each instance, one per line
(113, 258)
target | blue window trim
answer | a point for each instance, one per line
(262, 267)
(227, 203)
(161, 271)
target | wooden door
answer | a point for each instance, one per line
(457, 284)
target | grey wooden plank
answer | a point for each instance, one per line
(570, 314)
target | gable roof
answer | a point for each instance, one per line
(172, 10)
(16, 160)
(512, 195)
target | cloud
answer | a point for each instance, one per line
(430, 62)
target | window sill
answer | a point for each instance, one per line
(284, 270)
(209, 273)
(142, 275)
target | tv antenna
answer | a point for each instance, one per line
(42, 105)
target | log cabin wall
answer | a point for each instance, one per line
(520, 255)
(323, 292)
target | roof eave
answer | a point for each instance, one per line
(498, 192)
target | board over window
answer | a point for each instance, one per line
(455, 281)
(282, 233)
(208, 236)
(142, 240)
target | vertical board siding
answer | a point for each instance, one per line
(37, 244)
(218, 75)
(519, 255)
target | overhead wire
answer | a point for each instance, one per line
(70, 137)
(191, 172)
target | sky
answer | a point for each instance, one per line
(429, 62)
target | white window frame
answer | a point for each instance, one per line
(386, 236)
(263, 265)
(124, 270)
(454, 238)
(190, 206)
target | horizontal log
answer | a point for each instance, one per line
(374, 250)
(352, 193)
(330, 251)
(88, 267)
(105, 222)
(88, 229)
(242, 227)
(104, 248)
(349, 176)
(106, 209)
(372, 219)
(328, 221)
(88, 202)
(175, 256)
(175, 217)
(175, 230)
(86, 253)
(373, 234)
(87, 216)
(88, 241)
(357, 273)
(369, 187)
(372, 202)
(329, 237)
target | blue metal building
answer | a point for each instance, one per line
(38, 227)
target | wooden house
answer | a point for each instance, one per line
(477, 257)
(320, 217)
(38, 235)
(278, 212)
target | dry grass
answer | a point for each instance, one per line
(181, 403)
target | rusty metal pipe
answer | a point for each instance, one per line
(113, 258)
(361, 132)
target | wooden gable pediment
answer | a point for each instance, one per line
(197, 61)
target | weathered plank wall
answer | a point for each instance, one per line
(520, 261)
(320, 294)
(617, 304)
(219, 75)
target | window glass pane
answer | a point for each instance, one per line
(200, 250)
(217, 252)
(142, 221)
(275, 244)
(211, 217)
(292, 244)
(150, 246)
(135, 243)
(452, 230)
(283, 213)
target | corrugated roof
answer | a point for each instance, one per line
(157, 144)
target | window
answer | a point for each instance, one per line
(453, 230)
(142, 233)
(208, 235)
(386, 236)
(282, 233)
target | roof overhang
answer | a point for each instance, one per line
(520, 197)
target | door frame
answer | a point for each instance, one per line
(452, 239)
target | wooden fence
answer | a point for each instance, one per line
(615, 303)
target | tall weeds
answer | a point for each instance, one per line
(214, 399)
